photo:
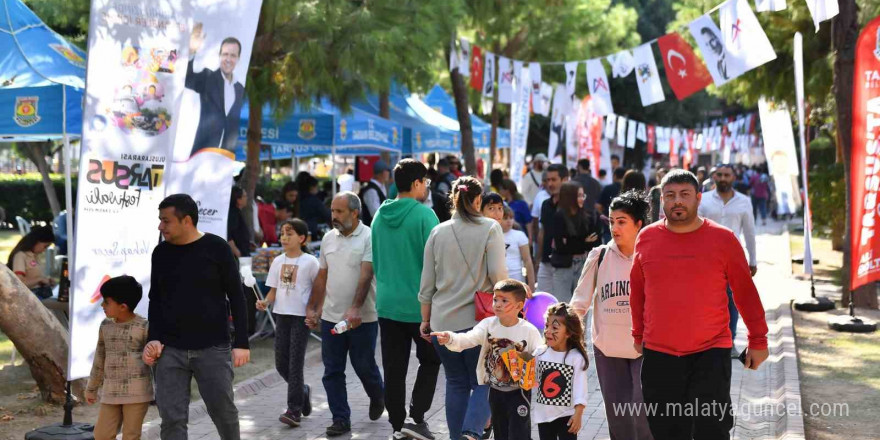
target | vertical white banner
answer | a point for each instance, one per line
(135, 79)
(535, 79)
(647, 77)
(204, 150)
(489, 75)
(600, 89)
(799, 92)
(464, 58)
(546, 99)
(611, 126)
(571, 69)
(631, 134)
(519, 124)
(561, 107)
(505, 80)
(621, 131)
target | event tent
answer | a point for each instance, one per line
(419, 136)
(440, 101)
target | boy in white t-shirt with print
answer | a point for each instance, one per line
(291, 277)
(517, 254)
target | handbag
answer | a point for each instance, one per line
(561, 261)
(482, 300)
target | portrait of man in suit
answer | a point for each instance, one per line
(220, 95)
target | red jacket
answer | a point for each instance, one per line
(678, 290)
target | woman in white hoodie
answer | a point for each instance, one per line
(604, 286)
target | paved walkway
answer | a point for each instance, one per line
(759, 395)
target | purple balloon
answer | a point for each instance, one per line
(537, 306)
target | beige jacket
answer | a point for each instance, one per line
(450, 275)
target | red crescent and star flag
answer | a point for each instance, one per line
(686, 73)
(476, 68)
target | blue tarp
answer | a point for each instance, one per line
(419, 136)
(38, 71)
(315, 132)
(439, 100)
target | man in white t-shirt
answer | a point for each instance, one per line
(531, 182)
(345, 290)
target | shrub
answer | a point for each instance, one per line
(23, 195)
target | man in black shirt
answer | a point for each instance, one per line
(608, 194)
(194, 283)
(557, 174)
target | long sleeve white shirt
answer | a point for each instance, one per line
(736, 215)
(493, 338)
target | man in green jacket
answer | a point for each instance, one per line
(400, 230)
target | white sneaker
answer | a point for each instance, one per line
(399, 435)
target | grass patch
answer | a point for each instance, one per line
(830, 261)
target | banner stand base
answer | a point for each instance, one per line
(66, 430)
(815, 304)
(851, 324)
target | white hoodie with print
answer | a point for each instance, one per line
(612, 321)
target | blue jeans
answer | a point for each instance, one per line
(734, 313)
(360, 346)
(212, 368)
(467, 402)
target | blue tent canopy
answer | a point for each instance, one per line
(319, 130)
(42, 78)
(439, 100)
(419, 136)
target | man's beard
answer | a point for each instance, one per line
(722, 186)
(341, 226)
(678, 216)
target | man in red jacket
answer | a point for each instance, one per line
(681, 269)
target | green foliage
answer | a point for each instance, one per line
(828, 197)
(23, 195)
(70, 18)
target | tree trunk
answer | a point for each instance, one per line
(36, 153)
(385, 112)
(37, 335)
(459, 91)
(844, 32)
(252, 163)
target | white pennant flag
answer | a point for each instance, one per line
(464, 58)
(641, 132)
(535, 78)
(546, 98)
(708, 38)
(822, 10)
(621, 131)
(517, 76)
(745, 42)
(648, 79)
(770, 5)
(453, 56)
(622, 63)
(488, 75)
(663, 140)
(600, 91)
(505, 80)
(571, 69)
(631, 134)
(519, 121)
(611, 126)
(561, 106)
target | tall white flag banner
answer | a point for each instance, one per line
(611, 126)
(600, 90)
(453, 56)
(571, 138)
(631, 134)
(464, 58)
(770, 5)
(204, 147)
(708, 38)
(561, 107)
(134, 116)
(622, 63)
(799, 92)
(519, 123)
(571, 69)
(535, 81)
(489, 75)
(621, 131)
(641, 132)
(546, 98)
(647, 77)
(778, 138)
(745, 42)
(822, 10)
(505, 80)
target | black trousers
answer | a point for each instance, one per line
(556, 430)
(688, 397)
(291, 339)
(511, 414)
(397, 339)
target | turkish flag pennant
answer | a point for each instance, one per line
(476, 68)
(651, 137)
(685, 72)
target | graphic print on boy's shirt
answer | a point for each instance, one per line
(496, 369)
(555, 383)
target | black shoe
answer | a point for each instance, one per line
(377, 407)
(487, 433)
(307, 400)
(418, 431)
(338, 428)
(289, 419)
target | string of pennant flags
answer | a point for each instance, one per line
(736, 47)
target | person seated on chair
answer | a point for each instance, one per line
(23, 261)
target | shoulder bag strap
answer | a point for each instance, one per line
(596, 274)
(464, 258)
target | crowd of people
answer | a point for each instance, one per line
(426, 256)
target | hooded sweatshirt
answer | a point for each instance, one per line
(611, 315)
(400, 229)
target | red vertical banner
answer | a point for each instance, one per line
(689, 151)
(476, 68)
(865, 165)
(651, 139)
